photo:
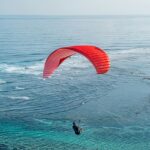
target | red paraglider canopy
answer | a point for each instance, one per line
(95, 55)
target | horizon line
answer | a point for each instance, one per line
(75, 15)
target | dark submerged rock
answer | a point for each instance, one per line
(3, 147)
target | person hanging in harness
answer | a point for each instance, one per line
(76, 128)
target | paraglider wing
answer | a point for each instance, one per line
(95, 55)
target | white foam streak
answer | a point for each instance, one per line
(19, 97)
(76, 61)
(2, 81)
(19, 88)
(44, 121)
(129, 53)
(35, 69)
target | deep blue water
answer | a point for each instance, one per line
(113, 109)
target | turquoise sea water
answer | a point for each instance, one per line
(113, 109)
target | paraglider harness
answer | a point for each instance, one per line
(76, 128)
